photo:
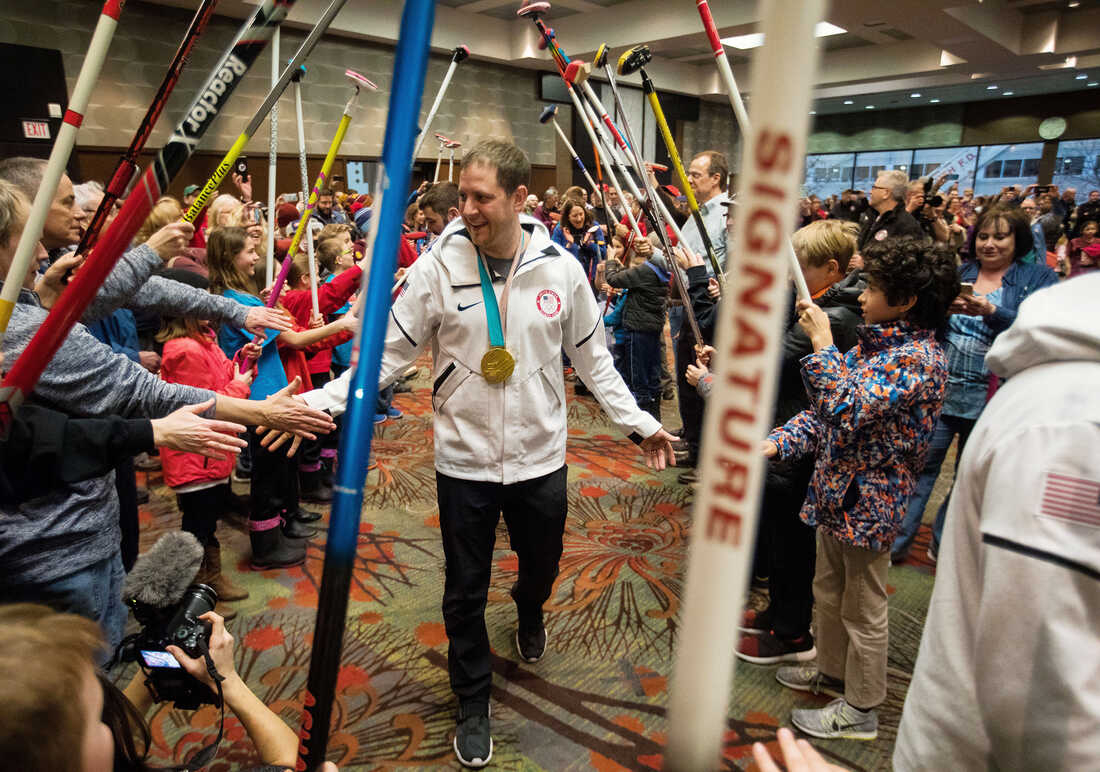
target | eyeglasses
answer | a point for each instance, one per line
(878, 187)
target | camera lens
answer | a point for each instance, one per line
(198, 599)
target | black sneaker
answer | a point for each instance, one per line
(531, 641)
(473, 743)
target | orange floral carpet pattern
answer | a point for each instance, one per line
(596, 700)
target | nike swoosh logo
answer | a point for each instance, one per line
(463, 308)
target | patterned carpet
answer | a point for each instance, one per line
(596, 701)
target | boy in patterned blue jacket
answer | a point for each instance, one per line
(870, 421)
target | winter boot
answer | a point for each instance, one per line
(306, 516)
(270, 548)
(210, 573)
(293, 528)
(313, 488)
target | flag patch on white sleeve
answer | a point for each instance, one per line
(1072, 499)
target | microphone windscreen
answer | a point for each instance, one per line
(160, 577)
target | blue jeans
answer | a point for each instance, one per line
(946, 428)
(643, 366)
(94, 592)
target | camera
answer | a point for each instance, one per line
(180, 626)
(241, 168)
(935, 201)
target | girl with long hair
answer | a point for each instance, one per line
(276, 522)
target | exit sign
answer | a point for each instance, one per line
(36, 129)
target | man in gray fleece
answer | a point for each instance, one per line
(63, 548)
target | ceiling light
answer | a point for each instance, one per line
(933, 101)
(745, 42)
(813, 112)
(991, 88)
(1093, 83)
(1074, 3)
(849, 102)
(1007, 93)
(822, 29)
(869, 107)
(1082, 76)
(915, 95)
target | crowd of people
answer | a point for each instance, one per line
(183, 351)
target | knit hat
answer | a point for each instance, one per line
(286, 214)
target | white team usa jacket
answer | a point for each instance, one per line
(515, 430)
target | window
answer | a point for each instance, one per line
(1074, 164)
(1078, 166)
(987, 169)
(828, 174)
(1004, 165)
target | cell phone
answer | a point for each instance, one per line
(1042, 189)
(291, 198)
(966, 289)
(241, 168)
(159, 659)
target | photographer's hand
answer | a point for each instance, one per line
(221, 652)
(276, 742)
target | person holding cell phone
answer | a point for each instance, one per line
(1000, 275)
(578, 233)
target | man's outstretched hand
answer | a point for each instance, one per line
(658, 450)
(262, 318)
(287, 412)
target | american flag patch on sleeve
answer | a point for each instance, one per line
(1073, 499)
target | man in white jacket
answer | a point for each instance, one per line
(498, 301)
(1006, 674)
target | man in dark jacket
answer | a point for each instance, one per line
(644, 321)
(851, 206)
(886, 216)
(781, 633)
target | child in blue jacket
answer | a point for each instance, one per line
(870, 422)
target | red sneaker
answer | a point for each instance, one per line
(755, 622)
(767, 649)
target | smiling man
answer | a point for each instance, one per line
(498, 301)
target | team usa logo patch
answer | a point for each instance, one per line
(549, 304)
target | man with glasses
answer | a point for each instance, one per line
(887, 216)
(1039, 242)
(708, 175)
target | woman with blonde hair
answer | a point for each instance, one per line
(167, 210)
(224, 211)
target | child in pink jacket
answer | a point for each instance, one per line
(192, 357)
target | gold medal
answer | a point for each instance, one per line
(497, 364)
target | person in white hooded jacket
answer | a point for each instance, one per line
(495, 289)
(1006, 674)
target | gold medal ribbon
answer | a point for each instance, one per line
(498, 363)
